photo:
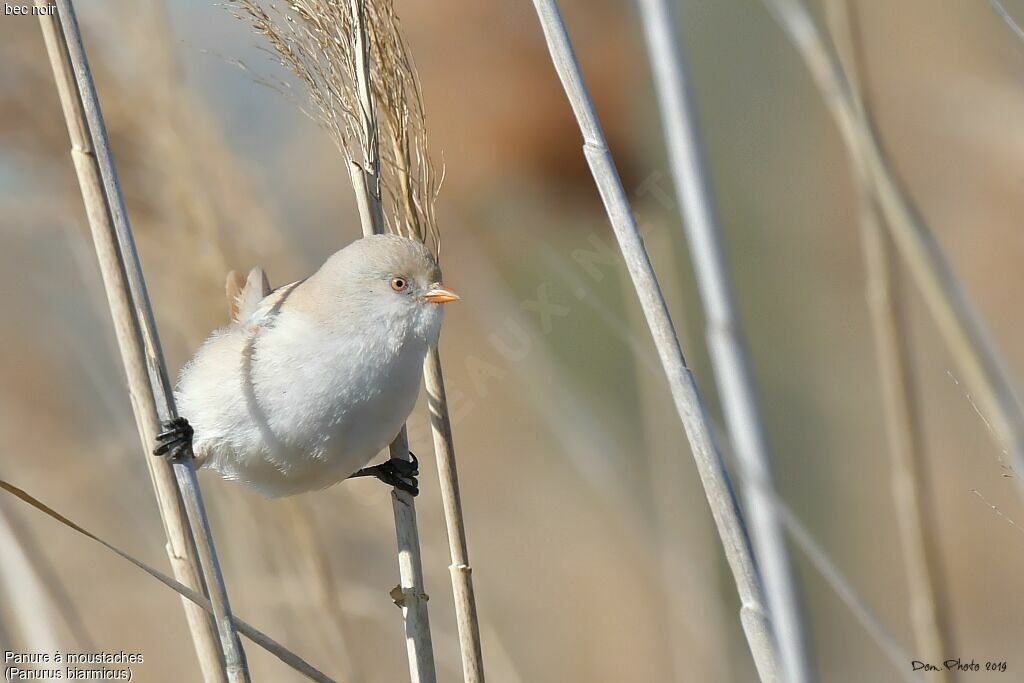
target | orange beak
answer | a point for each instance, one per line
(439, 294)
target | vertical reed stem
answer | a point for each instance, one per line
(411, 595)
(448, 476)
(910, 489)
(149, 386)
(681, 382)
(366, 176)
(724, 332)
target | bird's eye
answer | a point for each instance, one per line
(399, 284)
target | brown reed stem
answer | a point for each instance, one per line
(448, 477)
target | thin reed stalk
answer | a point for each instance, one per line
(411, 596)
(1005, 16)
(365, 88)
(594, 440)
(328, 46)
(955, 314)
(858, 606)
(682, 384)
(188, 594)
(729, 354)
(366, 175)
(910, 482)
(177, 489)
(694, 641)
(412, 187)
(460, 569)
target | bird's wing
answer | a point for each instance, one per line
(268, 305)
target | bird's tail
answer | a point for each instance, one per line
(245, 297)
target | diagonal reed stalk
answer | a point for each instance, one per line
(724, 333)
(684, 546)
(682, 384)
(858, 606)
(955, 314)
(1005, 16)
(910, 483)
(177, 489)
(188, 595)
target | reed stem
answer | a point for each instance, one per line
(682, 384)
(729, 354)
(411, 595)
(177, 489)
(448, 476)
(366, 176)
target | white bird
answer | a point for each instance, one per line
(315, 379)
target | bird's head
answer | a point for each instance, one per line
(392, 282)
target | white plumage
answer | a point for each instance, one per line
(318, 377)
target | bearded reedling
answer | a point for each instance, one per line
(315, 379)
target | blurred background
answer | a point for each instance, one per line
(594, 554)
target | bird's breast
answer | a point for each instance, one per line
(340, 402)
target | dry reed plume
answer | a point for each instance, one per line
(318, 42)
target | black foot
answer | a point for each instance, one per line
(176, 439)
(396, 472)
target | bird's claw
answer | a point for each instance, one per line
(396, 472)
(405, 468)
(175, 441)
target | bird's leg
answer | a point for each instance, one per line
(175, 440)
(395, 472)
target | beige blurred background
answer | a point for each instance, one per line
(593, 552)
